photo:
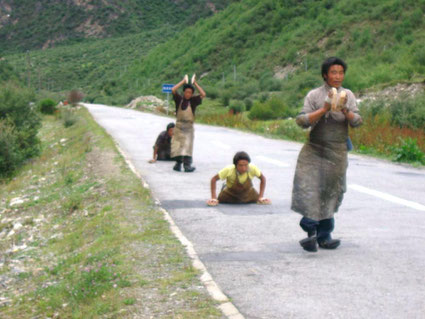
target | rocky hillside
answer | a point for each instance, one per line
(33, 24)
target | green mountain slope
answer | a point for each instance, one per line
(29, 24)
(94, 66)
(383, 42)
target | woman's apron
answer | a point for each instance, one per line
(182, 141)
(239, 193)
(320, 176)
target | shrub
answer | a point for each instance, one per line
(408, 112)
(47, 106)
(261, 111)
(237, 106)
(212, 92)
(75, 97)
(225, 97)
(273, 108)
(408, 151)
(248, 103)
(19, 124)
(279, 107)
(9, 152)
(263, 97)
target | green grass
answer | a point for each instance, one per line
(103, 249)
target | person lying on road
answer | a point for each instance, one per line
(238, 188)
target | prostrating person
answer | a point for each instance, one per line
(162, 147)
(238, 188)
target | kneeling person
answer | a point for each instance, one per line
(162, 147)
(238, 188)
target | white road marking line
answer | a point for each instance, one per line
(220, 144)
(387, 197)
(272, 161)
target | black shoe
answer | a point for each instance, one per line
(189, 169)
(330, 244)
(309, 244)
(178, 167)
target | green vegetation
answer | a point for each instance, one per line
(19, 124)
(93, 244)
(382, 41)
(394, 128)
(47, 106)
(261, 57)
(31, 24)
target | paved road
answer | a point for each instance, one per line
(252, 251)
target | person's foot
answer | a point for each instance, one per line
(189, 169)
(330, 244)
(178, 167)
(309, 244)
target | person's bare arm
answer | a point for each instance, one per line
(155, 154)
(213, 201)
(214, 186)
(178, 85)
(261, 198)
(201, 91)
(262, 185)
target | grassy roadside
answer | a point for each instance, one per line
(81, 238)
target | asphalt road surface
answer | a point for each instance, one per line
(252, 251)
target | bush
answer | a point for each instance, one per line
(9, 152)
(248, 103)
(47, 106)
(260, 111)
(408, 151)
(274, 108)
(225, 97)
(263, 97)
(237, 106)
(212, 92)
(75, 97)
(408, 112)
(19, 124)
(279, 107)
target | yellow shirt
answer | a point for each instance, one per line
(229, 173)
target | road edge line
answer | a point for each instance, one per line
(226, 306)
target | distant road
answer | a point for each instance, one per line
(253, 252)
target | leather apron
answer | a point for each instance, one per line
(320, 176)
(182, 141)
(239, 193)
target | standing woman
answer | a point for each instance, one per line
(320, 176)
(182, 142)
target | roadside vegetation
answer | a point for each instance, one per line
(81, 238)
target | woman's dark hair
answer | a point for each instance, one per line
(241, 156)
(170, 125)
(188, 86)
(332, 61)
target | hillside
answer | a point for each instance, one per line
(382, 41)
(30, 24)
(94, 66)
(247, 48)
